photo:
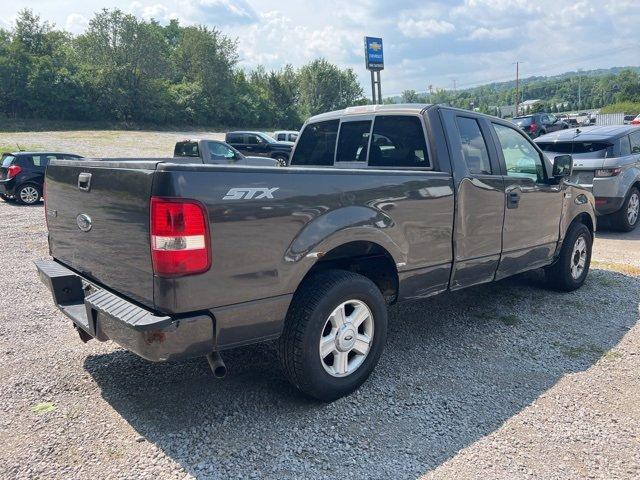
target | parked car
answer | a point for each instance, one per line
(219, 257)
(260, 144)
(538, 124)
(607, 162)
(286, 135)
(218, 153)
(22, 174)
(636, 121)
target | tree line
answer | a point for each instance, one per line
(567, 92)
(125, 69)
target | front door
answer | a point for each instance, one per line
(533, 205)
(479, 200)
(255, 145)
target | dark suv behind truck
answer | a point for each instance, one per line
(538, 124)
(22, 174)
(261, 145)
(380, 204)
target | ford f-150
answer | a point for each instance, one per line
(379, 204)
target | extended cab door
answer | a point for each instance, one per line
(533, 205)
(480, 199)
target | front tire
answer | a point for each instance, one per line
(28, 194)
(626, 219)
(334, 334)
(569, 272)
(282, 161)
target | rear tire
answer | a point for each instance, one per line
(569, 272)
(334, 334)
(28, 194)
(627, 218)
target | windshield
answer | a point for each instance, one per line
(266, 138)
(581, 149)
(523, 121)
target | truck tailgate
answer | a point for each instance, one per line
(98, 218)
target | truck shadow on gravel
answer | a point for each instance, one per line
(456, 367)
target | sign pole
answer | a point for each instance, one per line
(373, 87)
(379, 88)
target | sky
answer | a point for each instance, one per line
(438, 43)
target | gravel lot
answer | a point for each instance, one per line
(501, 381)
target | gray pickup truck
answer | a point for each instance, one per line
(215, 152)
(380, 204)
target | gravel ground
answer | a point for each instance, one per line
(501, 381)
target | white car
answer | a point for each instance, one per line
(286, 135)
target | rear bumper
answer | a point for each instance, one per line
(7, 186)
(106, 316)
(608, 205)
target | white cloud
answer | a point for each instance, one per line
(483, 33)
(76, 23)
(208, 12)
(425, 28)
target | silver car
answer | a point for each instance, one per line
(606, 160)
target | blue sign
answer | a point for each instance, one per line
(373, 53)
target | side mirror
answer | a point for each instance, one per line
(562, 166)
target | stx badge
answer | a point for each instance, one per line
(249, 193)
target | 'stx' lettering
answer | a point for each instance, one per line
(249, 193)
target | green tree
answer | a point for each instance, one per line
(324, 87)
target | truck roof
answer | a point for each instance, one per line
(597, 133)
(370, 109)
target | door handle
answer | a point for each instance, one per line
(513, 199)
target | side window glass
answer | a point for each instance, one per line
(44, 160)
(254, 140)
(635, 142)
(398, 141)
(474, 148)
(280, 137)
(353, 141)
(316, 145)
(234, 138)
(521, 158)
(625, 146)
(219, 151)
(37, 161)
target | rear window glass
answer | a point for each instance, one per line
(316, 145)
(585, 149)
(186, 149)
(6, 161)
(235, 138)
(353, 142)
(523, 121)
(398, 141)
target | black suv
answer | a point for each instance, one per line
(260, 144)
(538, 124)
(22, 174)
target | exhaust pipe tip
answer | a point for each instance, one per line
(217, 365)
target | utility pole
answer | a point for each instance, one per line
(517, 86)
(579, 89)
(455, 84)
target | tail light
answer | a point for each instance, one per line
(533, 127)
(13, 170)
(608, 172)
(179, 237)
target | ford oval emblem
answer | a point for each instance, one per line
(84, 222)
